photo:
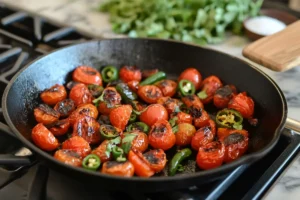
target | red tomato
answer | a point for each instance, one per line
(130, 73)
(192, 100)
(184, 134)
(80, 94)
(111, 98)
(60, 127)
(225, 132)
(141, 168)
(54, 94)
(100, 151)
(193, 75)
(202, 137)
(65, 107)
(77, 144)
(168, 87)
(184, 118)
(68, 157)
(242, 103)
(119, 116)
(209, 87)
(211, 155)
(153, 113)
(170, 104)
(149, 93)
(87, 75)
(125, 169)
(161, 135)
(156, 159)
(87, 128)
(43, 138)
(200, 116)
(223, 95)
(133, 85)
(83, 110)
(140, 142)
(45, 114)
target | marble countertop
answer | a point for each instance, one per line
(82, 15)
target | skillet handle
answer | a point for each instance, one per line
(293, 125)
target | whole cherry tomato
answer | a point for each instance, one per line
(200, 116)
(170, 104)
(77, 144)
(210, 155)
(68, 157)
(223, 95)
(182, 117)
(202, 137)
(43, 138)
(156, 159)
(140, 142)
(87, 75)
(153, 113)
(161, 135)
(125, 169)
(225, 132)
(242, 103)
(141, 168)
(192, 100)
(119, 116)
(149, 93)
(130, 73)
(111, 98)
(184, 134)
(209, 87)
(100, 151)
(45, 114)
(80, 94)
(133, 85)
(54, 94)
(168, 87)
(60, 127)
(65, 107)
(193, 75)
(83, 110)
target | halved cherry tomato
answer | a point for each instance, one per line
(60, 127)
(153, 113)
(100, 151)
(161, 135)
(192, 100)
(140, 142)
(224, 132)
(45, 114)
(125, 169)
(119, 116)
(242, 103)
(111, 98)
(209, 87)
(168, 87)
(43, 138)
(133, 85)
(211, 155)
(130, 73)
(223, 95)
(193, 75)
(80, 94)
(68, 157)
(87, 128)
(148, 72)
(87, 75)
(54, 94)
(170, 104)
(77, 144)
(200, 116)
(83, 109)
(156, 159)
(202, 137)
(184, 134)
(149, 93)
(65, 107)
(141, 168)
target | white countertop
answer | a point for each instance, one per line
(82, 15)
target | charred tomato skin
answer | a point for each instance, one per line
(65, 107)
(60, 127)
(54, 94)
(77, 144)
(68, 157)
(100, 151)
(45, 114)
(193, 75)
(202, 137)
(125, 169)
(87, 75)
(153, 113)
(167, 87)
(80, 94)
(130, 73)
(242, 103)
(140, 142)
(141, 168)
(155, 158)
(210, 86)
(169, 103)
(83, 110)
(223, 95)
(192, 100)
(200, 116)
(43, 138)
(149, 93)
(111, 98)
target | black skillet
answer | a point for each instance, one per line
(22, 95)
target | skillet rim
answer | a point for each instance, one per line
(245, 159)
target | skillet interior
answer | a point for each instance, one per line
(21, 95)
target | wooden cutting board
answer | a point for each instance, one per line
(278, 52)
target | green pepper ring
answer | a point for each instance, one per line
(139, 126)
(186, 87)
(108, 131)
(229, 122)
(94, 166)
(109, 73)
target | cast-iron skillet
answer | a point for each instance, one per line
(22, 95)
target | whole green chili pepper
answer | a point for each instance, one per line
(91, 162)
(108, 132)
(140, 126)
(177, 159)
(186, 87)
(229, 118)
(154, 78)
(109, 73)
(127, 95)
(118, 154)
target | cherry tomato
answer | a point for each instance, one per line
(43, 138)
(168, 87)
(65, 107)
(148, 72)
(54, 94)
(125, 169)
(225, 132)
(156, 159)
(83, 110)
(130, 73)
(111, 98)
(200, 116)
(192, 100)
(153, 113)
(119, 116)
(87, 75)
(170, 104)
(141, 168)
(211, 155)
(140, 142)
(80, 94)
(77, 144)
(45, 114)
(87, 128)
(161, 135)
(100, 151)
(149, 93)
(184, 118)
(242, 103)
(133, 85)
(202, 137)
(223, 95)
(60, 127)
(193, 75)
(184, 134)
(68, 157)
(209, 87)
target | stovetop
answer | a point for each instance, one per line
(23, 38)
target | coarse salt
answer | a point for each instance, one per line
(264, 25)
